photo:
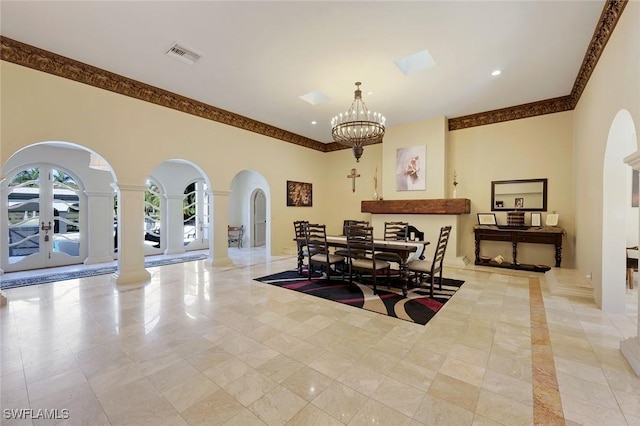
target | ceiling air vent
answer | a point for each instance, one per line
(183, 54)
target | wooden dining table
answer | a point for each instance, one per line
(406, 251)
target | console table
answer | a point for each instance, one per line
(537, 235)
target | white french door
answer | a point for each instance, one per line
(42, 219)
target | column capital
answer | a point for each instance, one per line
(633, 160)
(127, 187)
(98, 194)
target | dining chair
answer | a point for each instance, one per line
(394, 231)
(347, 223)
(318, 249)
(299, 229)
(434, 267)
(235, 234)
(361, 255)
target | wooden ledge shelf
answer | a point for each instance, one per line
(431, 206)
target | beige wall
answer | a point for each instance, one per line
(614, 85)
(135, 136)
(538, 147)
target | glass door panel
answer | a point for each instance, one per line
(43, 212)
(152, 200)
(24, 214)
(66, 214)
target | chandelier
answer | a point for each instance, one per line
(358, 127)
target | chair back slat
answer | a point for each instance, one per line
(360, 241)
(443, 240)
(347, 223)
(316, 238)
(396, 231)
(298, 227)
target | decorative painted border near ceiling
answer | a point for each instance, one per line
(42, 60)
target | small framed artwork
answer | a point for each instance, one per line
(487, 219)
(299, 194)
(500, 204)
(536, 219)
(518, 203)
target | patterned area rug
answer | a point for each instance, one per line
(6, 284)
(417, 307)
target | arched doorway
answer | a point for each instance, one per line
(49, 189)
(249, 206)
(616, 205)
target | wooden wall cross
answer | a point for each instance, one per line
(353, 177)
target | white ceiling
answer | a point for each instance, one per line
(259, 57)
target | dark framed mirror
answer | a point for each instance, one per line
(524, 194)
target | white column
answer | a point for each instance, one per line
(219, 212)
(174, 224)
(631, 347)
(131, 271)
(3, 299)
(100, 227)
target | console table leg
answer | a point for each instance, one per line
(515, 252)
(477, 251)
(558, 256)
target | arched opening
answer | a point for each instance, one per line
(245, 186)
(49, 189)
(184, 220)
(616, 210)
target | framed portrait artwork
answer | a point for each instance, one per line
(411, 171)
(487, 219)
(518, 203)
(299, 194)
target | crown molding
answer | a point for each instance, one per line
(61, 66)
(548, 106)
(608, 19)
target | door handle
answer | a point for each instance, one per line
(45, 227)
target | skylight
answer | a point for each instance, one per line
(315, 98)
(416, 62)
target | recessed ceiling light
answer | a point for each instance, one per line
(314, 122)
(496, 73)
(369, 93)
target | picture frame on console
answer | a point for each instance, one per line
(536, 219)
(487, 219)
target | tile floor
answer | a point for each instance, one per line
(203, 345)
